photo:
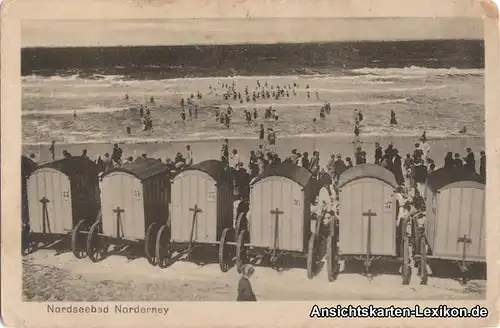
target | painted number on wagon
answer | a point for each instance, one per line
(296, 202)
(388, 206)
(137, 194)
(65, 195)
(211, 196)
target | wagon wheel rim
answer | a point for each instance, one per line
(240, 251)
(31, 247)
(331, 258)
(149, 244)
(77, 242)
(96, 250)
(423, 262)
(163, 252)
(311, 258)
(224, 251)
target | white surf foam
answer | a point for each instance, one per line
(89, 110)
(417, 71)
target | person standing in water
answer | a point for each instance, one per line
(393, 118)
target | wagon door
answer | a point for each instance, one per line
(461, 218)
(49, 202)
(190, 189)
(357, 199)
(286, 196)
(123, 193)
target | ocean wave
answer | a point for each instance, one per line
(429, 87)
(417, 71)
(89, 110)
(210, 137)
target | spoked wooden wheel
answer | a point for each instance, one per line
(150, 244)
(311, 257)
(78, 240)
(96, 250)
(240, 250)
(331, 257)
(423, 261)
(163, 252)
(224, 250)
(406, 271)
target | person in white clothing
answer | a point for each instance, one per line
(425, 147)
(189, 156)
(235, 159)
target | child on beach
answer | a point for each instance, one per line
(245, 292)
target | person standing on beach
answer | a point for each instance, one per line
(116, 155)
(305, 160)
(261, 132)
(272, 140)
(458, 161)
(235, 160)
(482, 165)
(314, 164)
(245, 292)
(378, 153)
(424, 145)
(52, 150)
(84, 154)
(470, 161)
(225, 151)
(189, 156)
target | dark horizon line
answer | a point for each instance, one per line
(252, 44)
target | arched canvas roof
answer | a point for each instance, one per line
(291, 171)
(27, 166)
(367, 171)
(217, 170)
(141, 168)
(72, 166)
(446, 175)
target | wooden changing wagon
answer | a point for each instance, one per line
(27, 167)
(279, 223)
(134, 200)
(455, 225)
(63, 197)
(367, 221)
(201, 213)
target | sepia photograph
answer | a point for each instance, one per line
(348, 169)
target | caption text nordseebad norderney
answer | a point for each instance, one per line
(117, 309)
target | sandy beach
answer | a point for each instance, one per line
(210, 149)
(51, 277)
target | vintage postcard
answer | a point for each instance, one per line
(250, 163)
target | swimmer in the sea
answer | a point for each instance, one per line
(126, 96)
(152, 100)
(183, 115)
(308, 95)
(141, 111)
(393, 118)
(317, 95)
(74, 114)
(255, 113)
(463, 130)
